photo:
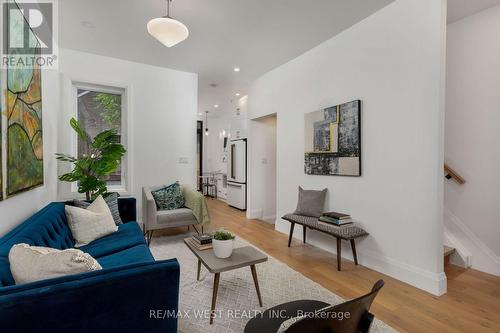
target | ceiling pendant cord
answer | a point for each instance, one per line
(168, 9)
(206, 122)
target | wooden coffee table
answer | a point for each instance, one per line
(241, 257)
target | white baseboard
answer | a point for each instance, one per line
(269, 219)
(434, 283)
(253, 214)
(483, 258)
(462, 257)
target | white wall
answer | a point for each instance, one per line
(19, 207)
(233, 124)
(394, 62)
(262, 169)
(162, 116)
(473, 137)
(239, 119)
(213, 145)
(162, 127)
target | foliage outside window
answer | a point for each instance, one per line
(99, 111)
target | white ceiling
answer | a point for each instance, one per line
(458, 9)
(256, 36)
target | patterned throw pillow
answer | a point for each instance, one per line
(34, 263)
(169, 197)
(112, 202)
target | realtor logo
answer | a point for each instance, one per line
(28, 34)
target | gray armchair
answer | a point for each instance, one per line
(155, 219)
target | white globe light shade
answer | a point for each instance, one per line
(168, 31)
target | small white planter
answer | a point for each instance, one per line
(222, 248)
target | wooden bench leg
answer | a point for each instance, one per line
(291, 234)
(354, 254)
(199, 269)
(339, 254)
(304, 233)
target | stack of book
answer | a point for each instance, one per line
(336, 218)
(201, 241)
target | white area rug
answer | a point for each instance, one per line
(237, 298)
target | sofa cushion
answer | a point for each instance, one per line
(46, 228)
(92, 223)
(133, 255)
(35, 263)
(180, 215)
(128, 235)
(112, 202)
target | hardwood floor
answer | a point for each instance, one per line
(472, 303)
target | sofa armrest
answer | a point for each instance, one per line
(121, 299)
(127, 207)
(149, 210)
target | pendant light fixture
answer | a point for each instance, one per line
(206, 122)
(166, 30)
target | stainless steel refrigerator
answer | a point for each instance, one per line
(237, 174)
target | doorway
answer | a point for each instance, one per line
(199, 154)
(262, 169)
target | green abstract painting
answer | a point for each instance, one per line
(24, 120)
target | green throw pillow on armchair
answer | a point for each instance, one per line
(169, 197)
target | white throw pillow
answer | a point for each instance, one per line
(34, 263)
(92, 223)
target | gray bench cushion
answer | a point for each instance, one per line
(348, 231)
(176, 217)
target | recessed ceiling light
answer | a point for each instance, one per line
(216, 106)
(237, 94)
(237, 69)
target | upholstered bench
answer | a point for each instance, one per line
(346, 232)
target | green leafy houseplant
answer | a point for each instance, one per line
(223, 235)
(105, 154)
(223, 244)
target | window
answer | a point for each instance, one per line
(98, 109)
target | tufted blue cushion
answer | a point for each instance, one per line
(128, 235)
(133, 255)
(47, 228)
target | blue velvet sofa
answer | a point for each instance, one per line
(121, 297)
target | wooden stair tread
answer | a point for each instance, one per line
(448, 251)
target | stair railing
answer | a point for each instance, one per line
(452, 174)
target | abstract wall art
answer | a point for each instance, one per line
(23, 100)
(333, 140)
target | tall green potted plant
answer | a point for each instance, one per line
(90, 170)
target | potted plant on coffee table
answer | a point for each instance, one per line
(223, 243)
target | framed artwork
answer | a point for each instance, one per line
(333, 141)
(24, 116)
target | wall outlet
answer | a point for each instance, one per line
(183, 160)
